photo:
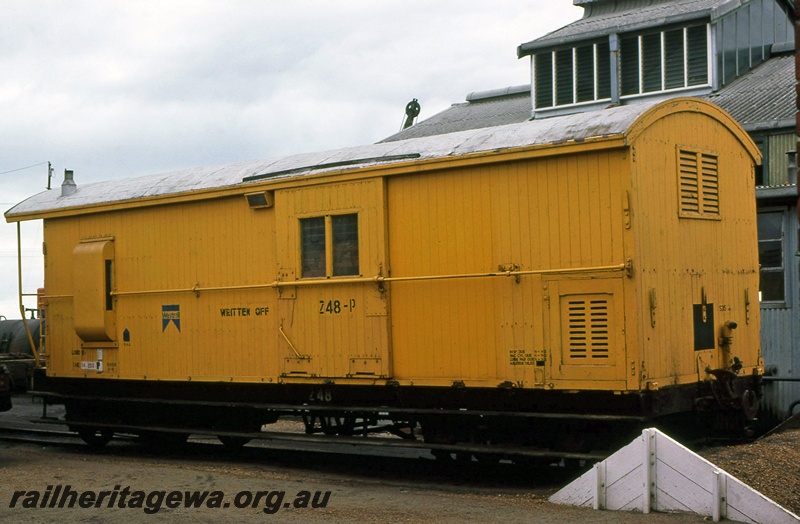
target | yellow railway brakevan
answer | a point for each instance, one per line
(599, 268)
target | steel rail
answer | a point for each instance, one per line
(373, 442)
(294, 409)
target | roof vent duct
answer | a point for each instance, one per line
(68, 186)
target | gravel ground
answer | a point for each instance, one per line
(391, 496)
(770, 465)
(362, 488)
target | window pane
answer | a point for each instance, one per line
(782, 27)
(629, 56)
(345, 245)
(743, 40)
(312, 242)
(756, 47)
(729, 51)
(603, 70)
(651, 62)
(544, 79)
(697, 61)
(564, 77)
(770, 254)
(767, 29)
(772, 286)
(584, 56)
(673, 59)
(770, 226)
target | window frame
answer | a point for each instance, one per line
(702, 213)
(552, 76)
(328, 246)
(640, 65)
(745, 35)
(780, 303)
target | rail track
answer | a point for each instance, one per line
(46, 431)
(30, 423)
(351, 458)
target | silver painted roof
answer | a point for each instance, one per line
(507, 106)
(762, 98)
(580, 126)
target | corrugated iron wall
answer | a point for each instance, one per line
(778, 145)
(780, 334)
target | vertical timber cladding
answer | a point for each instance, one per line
(330, 326)
(587, 323)
(163, 330)
(94, 313)
(546, 214)
(697, 192)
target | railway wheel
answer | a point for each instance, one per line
(95, 438)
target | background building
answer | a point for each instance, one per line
(738, 54)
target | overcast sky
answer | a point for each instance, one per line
(114, 89)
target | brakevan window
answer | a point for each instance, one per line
(664, 60)
(329, 246)
(698, 184)
(770, 256)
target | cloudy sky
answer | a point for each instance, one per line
(114, 89)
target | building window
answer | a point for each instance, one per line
(698, 184)
(573, 75)
(770, 256)
(329, 246)
(761, 142)
(744, 36)
(565, 74)
(543, 79)
(666, 60)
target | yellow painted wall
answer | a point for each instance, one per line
(562, 212)
(213, 243)
(715, 255)
(164, 252)
(343, 328)
(567, 219)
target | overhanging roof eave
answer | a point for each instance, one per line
(550, 42)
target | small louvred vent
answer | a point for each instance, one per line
(588, 329)
(709, 183)
(698, 184)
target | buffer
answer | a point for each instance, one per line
(656, 473)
